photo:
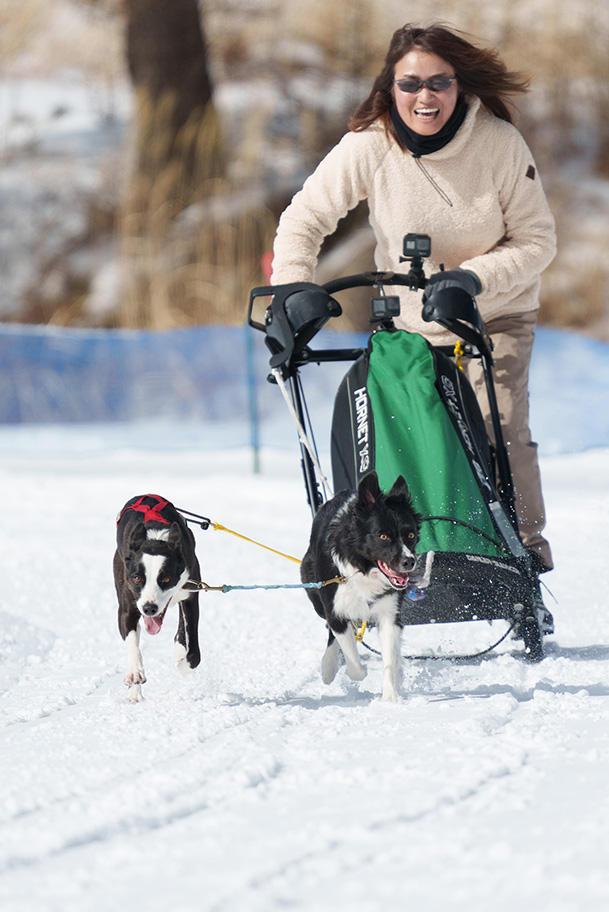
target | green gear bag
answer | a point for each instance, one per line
(405, 409)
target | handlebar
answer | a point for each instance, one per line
(299, 310)
(412, 280)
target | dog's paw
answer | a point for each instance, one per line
(391, 685)
(181, 660)
(135, 694)
(194, 658)
(356, 672)
(184, 663)
(134, 677)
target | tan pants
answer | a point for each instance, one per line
(513, 340)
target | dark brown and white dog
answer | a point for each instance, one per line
(154, 560)
(369, 538)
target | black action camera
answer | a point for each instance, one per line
(416, 247)
(384, 308)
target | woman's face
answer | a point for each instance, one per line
(425, 111)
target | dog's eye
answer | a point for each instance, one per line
(411, 535)
(383, 536)
(137, 579)
(164, 579)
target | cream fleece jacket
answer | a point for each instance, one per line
(479, 198)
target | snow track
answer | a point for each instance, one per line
(250, 785)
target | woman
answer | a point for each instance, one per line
(434, 151)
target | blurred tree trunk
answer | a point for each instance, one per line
(167, 62)
(176, 153)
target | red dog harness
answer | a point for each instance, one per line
(151, 513)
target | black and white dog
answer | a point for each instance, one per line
(368, 538)
(154, 560)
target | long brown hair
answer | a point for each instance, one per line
(479, 71)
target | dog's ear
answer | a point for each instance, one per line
(400, 488)
(137, 537)
(369, 491)
(175, 535)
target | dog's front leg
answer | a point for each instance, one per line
(389, 636)
(329, 661)
(187, 653)
(128, 625)
(134, 676)
(346, 641)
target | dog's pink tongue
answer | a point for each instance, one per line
(396, 578)
(153, 625)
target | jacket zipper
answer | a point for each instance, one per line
(433, 183)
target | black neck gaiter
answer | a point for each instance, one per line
(423, 145)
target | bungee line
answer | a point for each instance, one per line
(466, 525)
(447, 658)
(196, 585)
(204, 523)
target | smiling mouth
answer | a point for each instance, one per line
(426, 113)
(154, 624)
(397, 580)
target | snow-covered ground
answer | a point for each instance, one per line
(250, 785)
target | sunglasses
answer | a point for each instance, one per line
(411, 84)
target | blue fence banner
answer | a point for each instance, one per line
(217, 375)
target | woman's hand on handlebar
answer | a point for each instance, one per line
(465, 279)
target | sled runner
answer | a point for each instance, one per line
(405, 407)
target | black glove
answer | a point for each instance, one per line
(465, 279)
